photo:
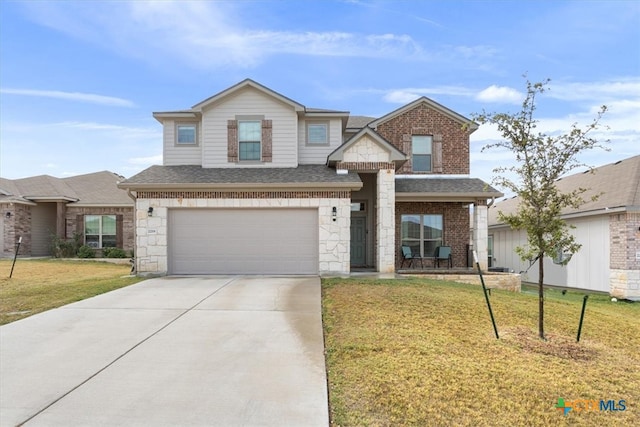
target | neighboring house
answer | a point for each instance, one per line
(254, 182)
(608, 229)
(40, 207)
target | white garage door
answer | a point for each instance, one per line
(243, 241)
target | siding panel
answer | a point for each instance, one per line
(250, 102)
(310, 155)
(185, 155)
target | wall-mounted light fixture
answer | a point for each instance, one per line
(8, 215)
(150, 211)
(334, 213)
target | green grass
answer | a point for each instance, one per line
(40, 285)
(422, 352)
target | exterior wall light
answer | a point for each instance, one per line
(150, 211)
(8, 214)
(334, 213)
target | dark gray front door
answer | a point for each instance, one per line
(358, 241)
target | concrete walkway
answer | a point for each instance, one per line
(195, 351)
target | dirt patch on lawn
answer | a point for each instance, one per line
(560, 346)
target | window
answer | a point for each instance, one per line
(186, 134)
(421, 153)
(100, 231)
(317, 133)
(422, 233)
(358, 207)
(249, 136)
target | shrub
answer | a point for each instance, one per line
(86, 252)
(65, 248)
(114, 253)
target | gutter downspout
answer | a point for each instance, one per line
(134, 266)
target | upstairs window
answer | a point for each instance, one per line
(186, 134)
(100, 231)
(421, 150)
(249, 139)
(317, 133)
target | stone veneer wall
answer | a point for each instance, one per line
(424, 120)
(624, 262)
(385, 219)
(334, 236)
(505, 281)
(365, 151)
(455, 218)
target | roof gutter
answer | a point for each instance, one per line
(444, 197)
(246, 186)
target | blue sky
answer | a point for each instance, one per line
(79, 80)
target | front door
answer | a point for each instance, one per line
(358, 241)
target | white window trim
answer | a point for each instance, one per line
(326, 123)
(413, 169)
(101, 234)
(186, 144)
(258, 119)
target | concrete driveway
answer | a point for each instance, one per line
(174, 351)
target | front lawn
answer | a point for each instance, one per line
(423, 353)
(43, 284)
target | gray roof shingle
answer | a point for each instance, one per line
(462, 186)
(616, 184)
(358, 122)
(199, 176)
(99, 188)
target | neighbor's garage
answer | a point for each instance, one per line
(243, 241)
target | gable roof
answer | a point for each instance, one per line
(616, 184)
(244, 84)
(395, 155)
(358, 122)
(431, 104)
(98, 189)
(93, 189)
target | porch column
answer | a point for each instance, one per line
(386, 220)
(481, 232)
(61, 220)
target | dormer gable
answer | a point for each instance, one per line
(247, 83)
(435, 138)
(423, 100)
(367, 146)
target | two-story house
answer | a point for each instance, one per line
(253, 182)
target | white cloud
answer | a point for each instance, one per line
(401, 96)
(604, 91)
(146, 161)
(71, 96)
(501, 94)
(216, 34)
(406, 95)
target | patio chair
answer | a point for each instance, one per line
(407, 255)
(443, 253)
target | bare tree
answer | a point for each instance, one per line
(540, 161)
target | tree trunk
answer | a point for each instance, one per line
(541, 295)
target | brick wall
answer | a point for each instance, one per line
(16, 226)
(71, 220)
(455, 217)
(424, 120)
(624, 241)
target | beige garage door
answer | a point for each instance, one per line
(243, 241)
